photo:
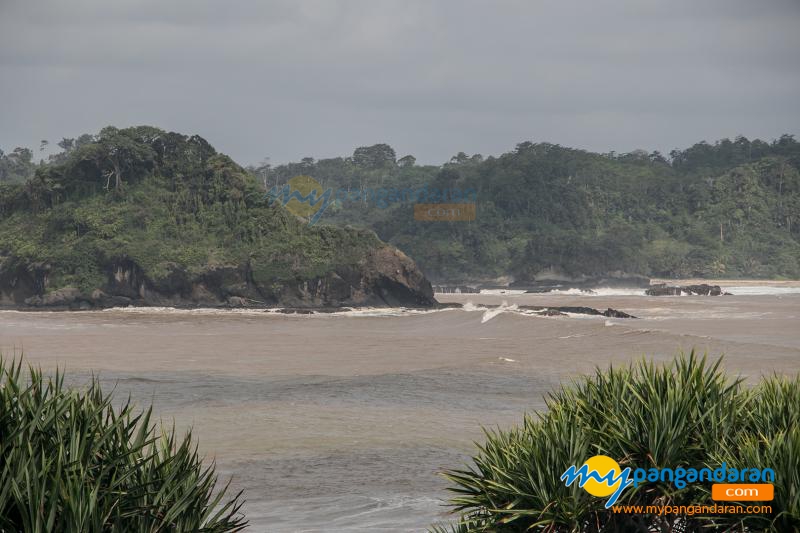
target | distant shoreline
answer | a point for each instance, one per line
(721, 282)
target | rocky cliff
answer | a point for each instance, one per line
(385, 277)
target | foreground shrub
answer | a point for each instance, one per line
(71, 462)
(685, 414)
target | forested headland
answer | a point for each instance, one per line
(141, 216)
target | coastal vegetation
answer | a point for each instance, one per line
(178, 209)
(687, 413)
(724, 209)
(144, 216)
(72, 461)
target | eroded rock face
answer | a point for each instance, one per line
(18, 281)
(384, 277)
(393, 279)
(61, 297)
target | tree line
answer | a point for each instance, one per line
(728, 208)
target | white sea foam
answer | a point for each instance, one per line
(199, 311)
(760, 290)
(372, 312)
(488, 312)
(381, 312)
(601, 291)
(211, 311)
(508, 292)
(469, 306)
(491, 313)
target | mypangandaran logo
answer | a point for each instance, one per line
(306, 197)
(602, 476)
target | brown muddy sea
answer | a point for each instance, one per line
(341, 422)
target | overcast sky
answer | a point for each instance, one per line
(295, 78)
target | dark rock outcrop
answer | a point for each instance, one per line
(563, 310)
(384, 277)
(392, 278)
(552, 312)
(611, 313)
(674, 290)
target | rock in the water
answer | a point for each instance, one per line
(578, 310)
(552, 312)
(613, 313)
(674, 290)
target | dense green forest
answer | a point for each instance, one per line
(727, 209)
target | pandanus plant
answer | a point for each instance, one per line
(70, 461)
(686, 413)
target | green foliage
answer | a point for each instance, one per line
(166, 202)
(71, 462)
(725, 209)
(685, 414)
(17, 166)
(376, 156)
(771, 437)
(163, 199)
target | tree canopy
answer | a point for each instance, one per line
(728, 208)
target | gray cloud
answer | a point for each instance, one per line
(287, 79)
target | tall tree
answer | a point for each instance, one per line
(375, 156)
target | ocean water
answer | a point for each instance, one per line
(343, 421)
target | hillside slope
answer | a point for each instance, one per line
(140, 216)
